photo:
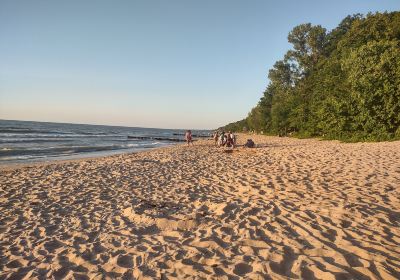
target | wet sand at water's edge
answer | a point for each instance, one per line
(289, 209)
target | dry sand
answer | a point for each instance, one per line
(290, 209)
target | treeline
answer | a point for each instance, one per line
(343, 84)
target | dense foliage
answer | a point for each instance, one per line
(343, 84)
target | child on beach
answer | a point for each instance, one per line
(188, 137)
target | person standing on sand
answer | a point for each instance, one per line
(216, 136)
(188, 137)
(222, 139)
(231, 141)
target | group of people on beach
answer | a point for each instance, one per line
(222, 139)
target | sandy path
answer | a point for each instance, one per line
(291, 209)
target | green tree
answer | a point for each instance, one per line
(308, 46)
(343, 84)
(374, 77)
(334, 37)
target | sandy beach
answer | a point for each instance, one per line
(288, 209)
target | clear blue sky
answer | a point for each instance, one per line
(166, 63)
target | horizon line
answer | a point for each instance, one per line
(96, 124)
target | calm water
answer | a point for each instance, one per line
(22, 141)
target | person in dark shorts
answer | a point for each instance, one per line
(222, 139)
(188, 137)
(231, 140)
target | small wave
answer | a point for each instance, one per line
(33, 140)
(15, 158)
(130, 145)
(94, 133)
(66, 150)
(171, 139)
(29, 131)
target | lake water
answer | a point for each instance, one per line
(25, 141)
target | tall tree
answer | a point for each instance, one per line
(308, 44)
(374, 77)
(344, 84)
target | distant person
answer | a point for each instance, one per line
(249, 144)
(222, 139)
(215, 137)
(231, 140)
(188, 137)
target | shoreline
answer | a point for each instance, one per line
(90, 156)
(32, 142)
(291, 208)
(73, 158)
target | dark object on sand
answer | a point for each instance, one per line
(249, 144)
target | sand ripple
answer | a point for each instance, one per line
(290, 209)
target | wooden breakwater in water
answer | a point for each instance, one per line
(156, 138)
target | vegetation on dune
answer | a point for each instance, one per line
(343, 84)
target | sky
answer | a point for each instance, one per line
(150, 63)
